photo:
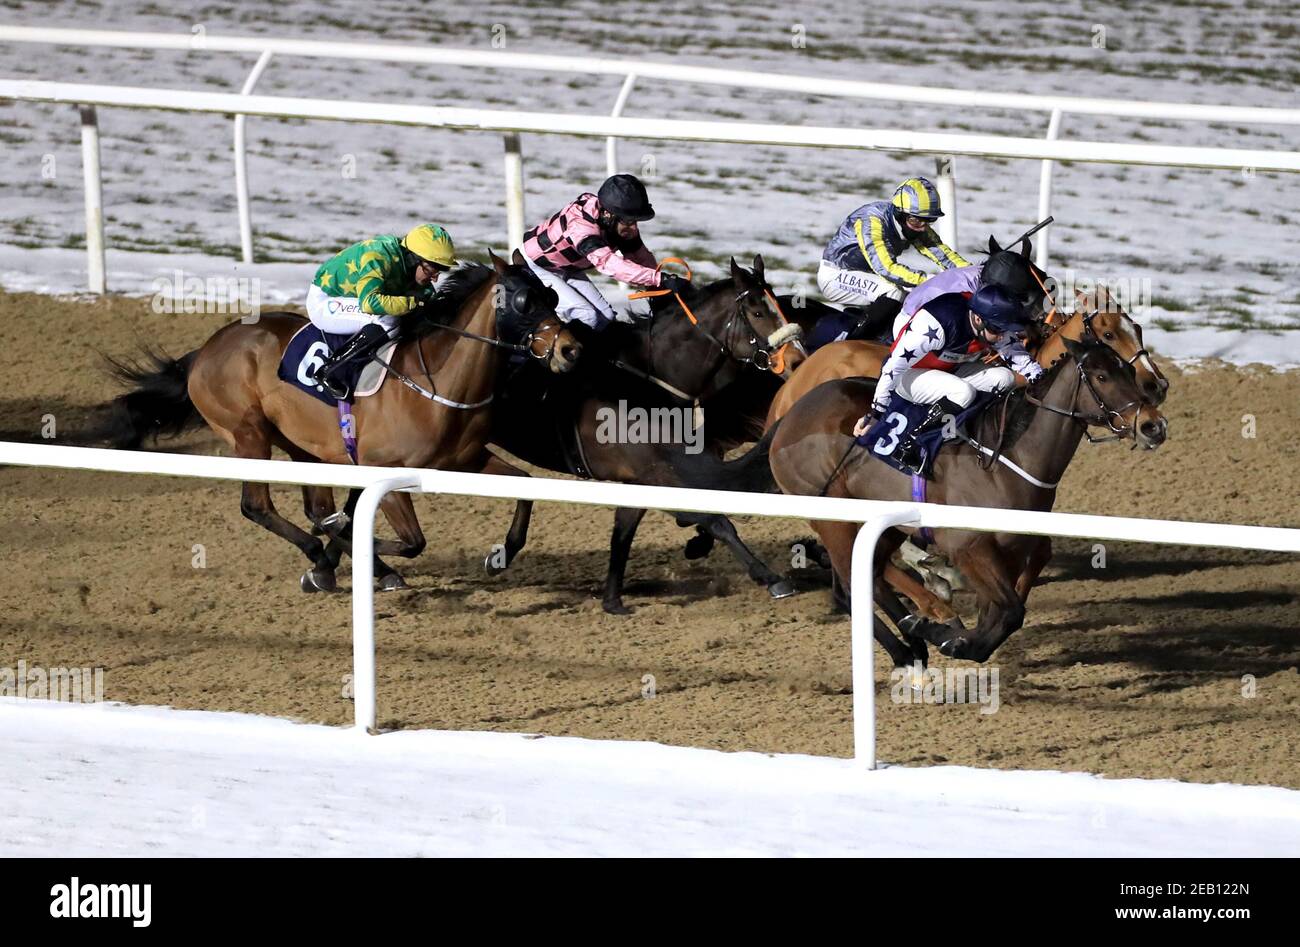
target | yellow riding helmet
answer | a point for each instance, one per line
(431, 242)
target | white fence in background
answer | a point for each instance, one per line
(613, 126)
(877, 516)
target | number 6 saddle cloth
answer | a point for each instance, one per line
(310, 347)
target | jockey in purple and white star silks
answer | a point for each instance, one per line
(938, 355)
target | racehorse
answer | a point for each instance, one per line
(454, 346)
(691, 350)
(813, 452)
(1097, 316)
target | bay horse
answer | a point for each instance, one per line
(451, 348)
(1096, 315)
(812, 452)
(699, 346)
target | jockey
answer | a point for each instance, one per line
(597, 231)
(938, 358)
(1005, 269)
(365, 289)
(860, 265)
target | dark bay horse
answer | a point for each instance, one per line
(730, 329)
(230, 382)
(1091, 387)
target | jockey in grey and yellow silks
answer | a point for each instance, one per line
(861, 262)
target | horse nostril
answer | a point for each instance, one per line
(570, 353)
(1153, 430)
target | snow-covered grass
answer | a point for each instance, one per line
(96, 780)
(62, 272)
(1217, 247)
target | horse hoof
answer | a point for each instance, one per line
(492, 565)
(318, 580)
(699, 546)
(616, 608)
(914, 675)
(920, 650)
(954, 647)
(392, 583)
(781, 589)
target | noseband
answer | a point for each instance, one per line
(1112, 418)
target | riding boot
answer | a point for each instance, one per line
(909, 450)
(365, 342)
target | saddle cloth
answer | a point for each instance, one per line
(310, 347)
(884, 437)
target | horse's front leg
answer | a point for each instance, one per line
(720, 527)
(1002, 610)
(501, 555)
(1040, 554)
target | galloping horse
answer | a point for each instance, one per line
(230, 382)
(1097, 316)
(691, 350)
(812, 452)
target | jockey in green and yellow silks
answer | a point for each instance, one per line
(365, 288)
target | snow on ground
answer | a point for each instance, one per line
(58, 271)
(113, 780)
(1217, 247)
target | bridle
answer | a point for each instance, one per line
(1112, 418)
(764, 356)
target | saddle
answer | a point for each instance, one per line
(308, 350)
(884, 437)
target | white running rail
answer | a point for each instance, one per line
(877, 516)
(631, 71)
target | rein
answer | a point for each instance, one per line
(525, 347)
(762, 359)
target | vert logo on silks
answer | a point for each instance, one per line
(134, 901)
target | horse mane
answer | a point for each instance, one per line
(694, 297)
(1020, 412)
(453, 289)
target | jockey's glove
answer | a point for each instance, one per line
(678, 284)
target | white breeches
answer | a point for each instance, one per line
(854, 287)
(578, 297)
(928, 385)
(341, 315)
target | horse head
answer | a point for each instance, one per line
(1107, 394)
(1100, 317)
(772, 342)
(525, 311)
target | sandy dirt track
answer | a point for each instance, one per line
(1131, 670)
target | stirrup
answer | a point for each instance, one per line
(335, 389)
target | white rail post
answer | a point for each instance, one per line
(611, 143)
(946, 173)
(514, 191)
(95, 268)
(241, 163)
(363, 597)
(1045, 192)
(863, 644)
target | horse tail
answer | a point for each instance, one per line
(158, 404)
(751, 472)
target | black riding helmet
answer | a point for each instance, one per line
(624, 196)
(1011, 272)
